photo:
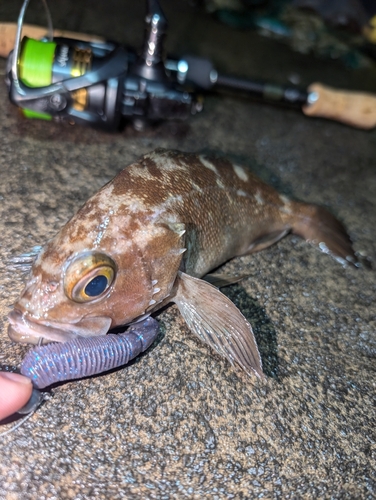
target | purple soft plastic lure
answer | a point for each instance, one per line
(82, 357)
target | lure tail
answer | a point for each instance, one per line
(319, 227)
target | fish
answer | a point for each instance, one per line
(154, 235)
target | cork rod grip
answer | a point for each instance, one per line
(8, 35)
(357, 109)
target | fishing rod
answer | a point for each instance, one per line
(87, 80)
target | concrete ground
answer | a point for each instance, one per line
(180, 422)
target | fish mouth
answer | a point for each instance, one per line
(26, 330)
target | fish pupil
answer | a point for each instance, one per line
(96, 286)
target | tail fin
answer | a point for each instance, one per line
(319, 227)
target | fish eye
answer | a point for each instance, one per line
(96, 286)
(89, 276)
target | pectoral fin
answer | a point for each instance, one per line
(218, 322)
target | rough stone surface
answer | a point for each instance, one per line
(180, 422)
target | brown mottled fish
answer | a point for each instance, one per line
(148, 238)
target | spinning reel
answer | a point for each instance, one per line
(104, 85)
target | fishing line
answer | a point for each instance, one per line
(42, 398)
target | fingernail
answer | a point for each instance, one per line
(15, 377)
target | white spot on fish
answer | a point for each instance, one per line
(220, 183)
(103, 198)
(157, 213)
(284, 199)
(259, 199)
(136, 206)
(240, 172)
(240, 192)
(179, 197)
(152, 302)
(208, 164)
(156, 290)
(196, 187)
(165, 162)
(286, 204)
(102, 229)
(154, 282)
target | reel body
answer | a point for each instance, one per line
(97, 83)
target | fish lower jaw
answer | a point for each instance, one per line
(25, 338)
(24, 330)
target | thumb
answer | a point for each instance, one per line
(15, 392)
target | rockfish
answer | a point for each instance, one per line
(151, 236)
